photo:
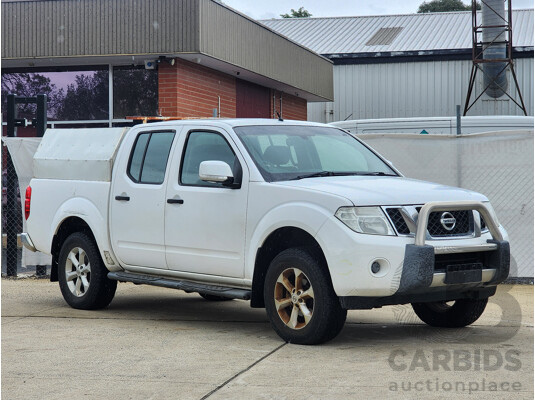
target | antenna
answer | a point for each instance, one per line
(280, 118)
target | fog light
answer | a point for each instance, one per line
(376, 267)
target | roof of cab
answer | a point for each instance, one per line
(232, 122)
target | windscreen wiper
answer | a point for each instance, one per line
(324, 173)
(331, 173)
(375, 174)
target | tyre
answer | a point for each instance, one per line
(211, 297)
(443, 314)
(300, 300)
(83, 278)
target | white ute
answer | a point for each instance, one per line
(300, 218)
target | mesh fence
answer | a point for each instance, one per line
(11, 219)
(498, 165)
(16, 174)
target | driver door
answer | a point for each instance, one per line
(205, 221)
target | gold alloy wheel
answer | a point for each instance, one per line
(294, 298)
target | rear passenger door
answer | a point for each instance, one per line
(138, 199)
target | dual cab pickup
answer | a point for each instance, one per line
(300, 218)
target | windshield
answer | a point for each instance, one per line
(299, 152)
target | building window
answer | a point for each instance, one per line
(135, 92)
(73, 95)
(80, 96)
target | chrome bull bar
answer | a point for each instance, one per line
(428, 208)
(419, 272)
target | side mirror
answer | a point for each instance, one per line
(215, 171)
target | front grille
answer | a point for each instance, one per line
(464, 267)
(398, 221)
(482, 222)
(459, 261)
(464, 223)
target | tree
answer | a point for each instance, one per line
(445, 5)
(135, 92)
(30, 85)
(86, 98)
(301, 13)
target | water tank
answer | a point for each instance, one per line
(493, 13)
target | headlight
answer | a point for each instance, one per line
(370, 220)
(492, 212)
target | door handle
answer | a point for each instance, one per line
(175, 201)
(122, 198)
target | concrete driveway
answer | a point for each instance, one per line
(154, 343)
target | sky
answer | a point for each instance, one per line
(264, 9)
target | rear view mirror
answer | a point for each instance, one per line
(215, 171)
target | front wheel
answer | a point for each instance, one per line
(83, 278)
(450, 314)
(300, 300)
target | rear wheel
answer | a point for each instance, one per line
(300, 300)
(83, 278)
(454, 314)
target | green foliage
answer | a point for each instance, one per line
(301, 13)
(445, 5)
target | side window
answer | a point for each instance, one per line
(205, 146)
(148, 160)
(136, 159)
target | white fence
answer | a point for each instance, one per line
(438, 125)
(499, 165)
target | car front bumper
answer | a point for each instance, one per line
(408, 271)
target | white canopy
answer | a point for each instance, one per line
(80, 154)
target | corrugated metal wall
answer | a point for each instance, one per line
(98, 27)
(415, 89)
(256, 48)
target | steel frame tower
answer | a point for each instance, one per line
(478, 57)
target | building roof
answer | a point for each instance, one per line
(394, 33)
(51, 33)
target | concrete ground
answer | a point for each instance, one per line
(154, 343)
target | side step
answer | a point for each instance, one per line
(141, 279)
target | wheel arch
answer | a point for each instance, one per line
(67, 227)
(277, 241)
